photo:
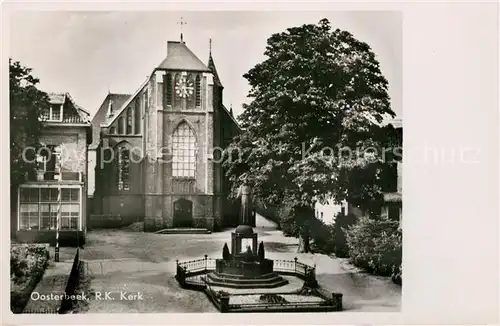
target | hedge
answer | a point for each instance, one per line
(376, 246)
(322, 236)
(342, 222)
(286, 220)
(330, 238)
(27, 265)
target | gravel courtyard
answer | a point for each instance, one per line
(132, 262)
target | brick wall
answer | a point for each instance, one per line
(73, 141)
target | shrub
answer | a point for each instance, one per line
(27, 264)
(225, 252)
(323, 237)
(327, 238)
(272, 298)
(339, 239)
(397, 275)
(376, 246)
(286, 220)
(260, 252)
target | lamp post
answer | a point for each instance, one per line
(59, 201)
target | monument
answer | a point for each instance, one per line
(233, 283)
(245, 266)
(246, 205)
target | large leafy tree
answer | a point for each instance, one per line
(26, 104)
(313, 130)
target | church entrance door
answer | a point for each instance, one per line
(183, 213)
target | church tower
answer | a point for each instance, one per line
(180, 190)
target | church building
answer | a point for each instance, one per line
(158, 151)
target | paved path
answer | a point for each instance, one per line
(121, 261)
(53, 282)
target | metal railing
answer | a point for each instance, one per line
(41, 175)
(192, 274)
(294, 267)
(189, 271)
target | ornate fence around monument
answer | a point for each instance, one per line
(191, 273)
(296, 268)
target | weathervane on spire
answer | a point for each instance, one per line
(210, 46)
(182, 23)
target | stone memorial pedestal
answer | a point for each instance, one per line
(244, 267)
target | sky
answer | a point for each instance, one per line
(89, 54)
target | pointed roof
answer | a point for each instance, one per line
(211, 65)
(180, 57)
(60, 98)
(119, 107)
(117, 101)
(231, 116)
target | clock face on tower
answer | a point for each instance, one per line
(184, 87)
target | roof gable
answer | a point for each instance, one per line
(109, 119)
(117, 101)
(83, 116)
(231, 117)
(180, 57)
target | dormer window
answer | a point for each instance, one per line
(110, 108)
(55, 113)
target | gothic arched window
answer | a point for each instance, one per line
(120, 125)
(129, 121)
(123, 169)
(198, 91)
(137, 113)
(169, 88)
(183, 152)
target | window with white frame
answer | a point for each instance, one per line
(48, 216)
(70, 214)
(38, 208)
(55, 113)
(183, 152)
